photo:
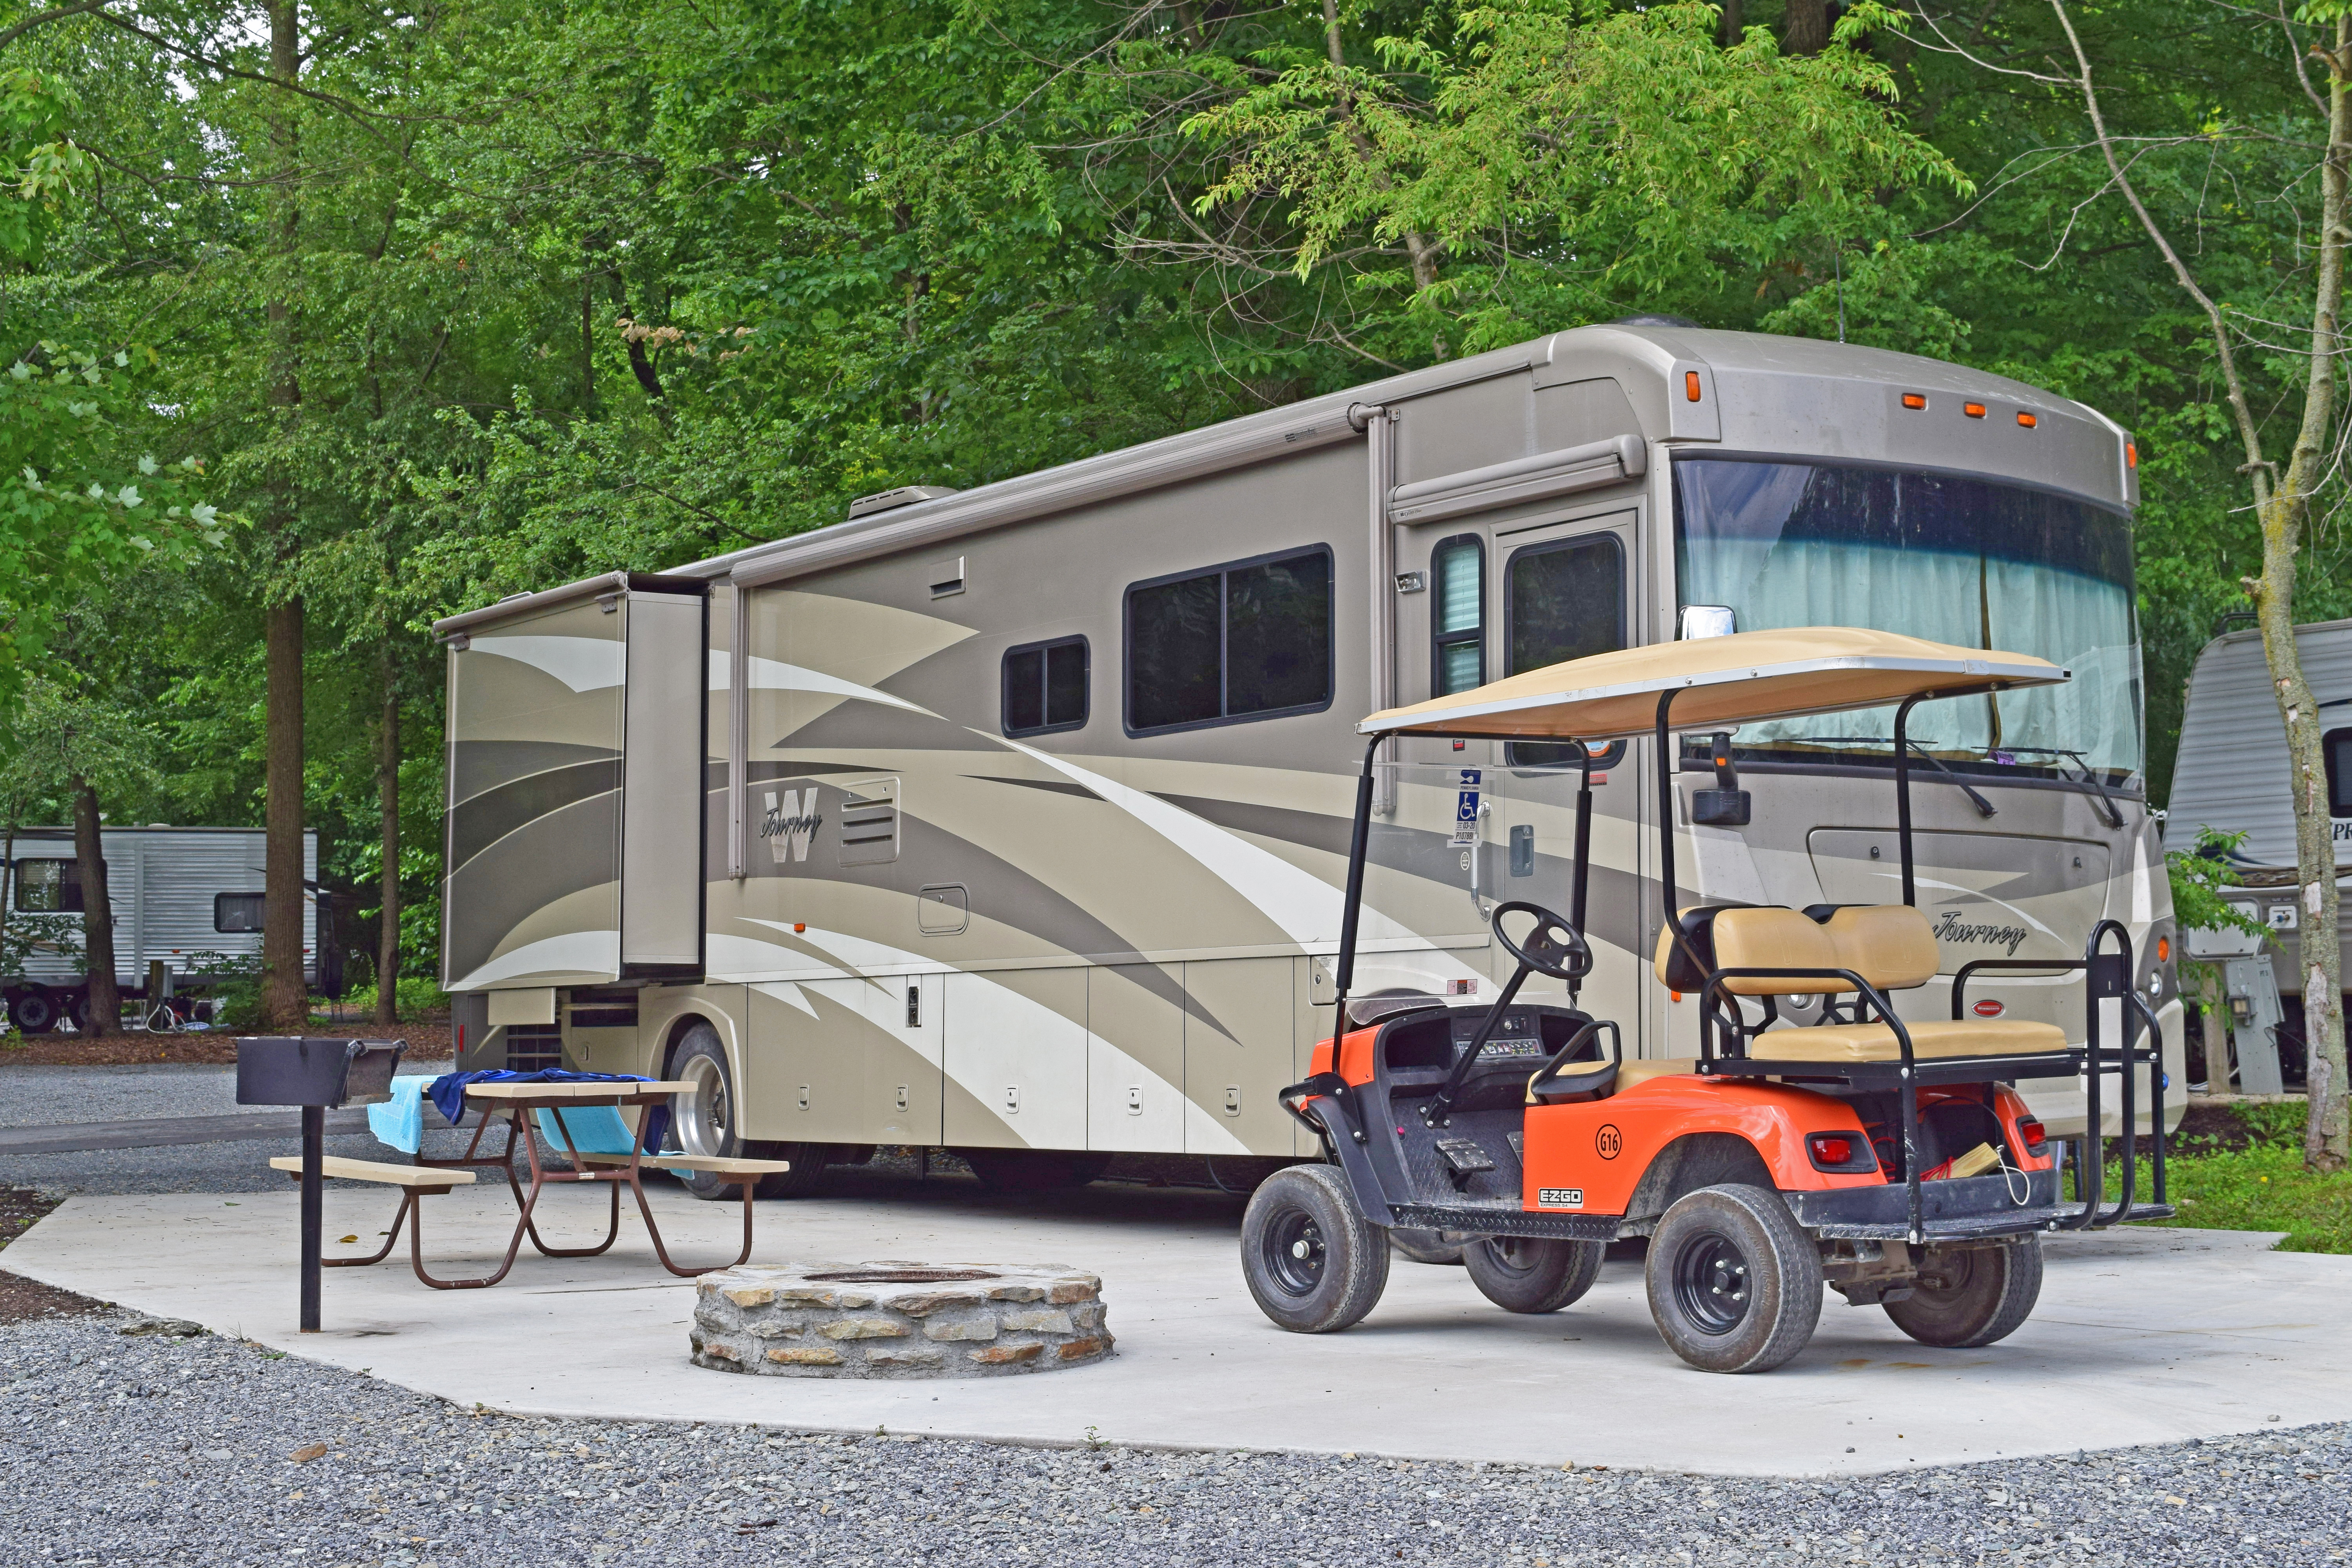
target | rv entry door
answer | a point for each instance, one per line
(662, 785)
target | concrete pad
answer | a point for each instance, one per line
(2141, 1336)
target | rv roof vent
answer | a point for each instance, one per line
(890, 500)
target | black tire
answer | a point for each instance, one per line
(73, 1007)
(1312, 1261)
(806, 1177)
(33, 1012)
(703, 1121)
(1033, 1170)
(1532, 1274)
(1427, 1246)
(1734, 1285)
(1967, 1297)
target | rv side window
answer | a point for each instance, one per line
(2335, 748)
(48, 887)
(236, 912)
(1457, 615)
(1045, 686)
(1251, 639)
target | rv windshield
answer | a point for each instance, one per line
(1959, 561)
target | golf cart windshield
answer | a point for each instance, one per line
(1958, 560)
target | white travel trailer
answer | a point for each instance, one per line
(1014, 820)
(2232, 777)
(181, 896)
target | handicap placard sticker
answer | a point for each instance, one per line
(1465, 808)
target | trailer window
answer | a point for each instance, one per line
(236, 912)
(48, 887)
(1251, 639)
(1045, 686)
(1457, 615)
(2335, 749)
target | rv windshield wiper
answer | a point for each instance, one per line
(2090, 776)
(1984, 806)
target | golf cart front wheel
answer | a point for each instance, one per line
(1312, 1261)
(1735, 1284)
(1967, 1297)
(1532, 1274)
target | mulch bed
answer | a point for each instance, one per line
(426, 1042)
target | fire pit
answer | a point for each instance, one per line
(895, 1319)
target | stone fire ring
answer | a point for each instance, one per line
(895, 1318)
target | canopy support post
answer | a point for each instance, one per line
(1902, 795)
(1353, 904)
(1668, 763)
(1583, 885)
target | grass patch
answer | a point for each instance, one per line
(2250, 1176)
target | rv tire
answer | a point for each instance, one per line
(1312, 1261)
(32, 1011)
(1033, 1170)
(1532, 1274)
(806, 1176)
(703, 1122)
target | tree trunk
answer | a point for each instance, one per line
(1734, 23)
(1418, 246)
(105, 1010)
(284, 999)
(387, 941)
(1805, 27)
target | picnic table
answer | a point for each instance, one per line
(514, 1104)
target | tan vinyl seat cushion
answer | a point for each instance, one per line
(1890, 945)
(1930, 1037)
(1776, 939)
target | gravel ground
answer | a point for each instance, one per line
(146, 1448)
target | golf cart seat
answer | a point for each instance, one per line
(1891, 946)
(1576, 1081)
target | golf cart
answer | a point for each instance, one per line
(1887, 1157)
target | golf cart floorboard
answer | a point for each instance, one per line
(1480, 1220)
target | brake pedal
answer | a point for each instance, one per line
(1462, 1156)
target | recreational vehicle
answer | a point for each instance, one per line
(2232, 777)
(1014, 820)
(186, 897)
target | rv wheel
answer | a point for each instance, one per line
(33, 1012)
(1532, 1274)
(1312, 1259)
(1967, 1297)
(806, 1176)
(1734, 1285)
(73, 1007)
(703, 1121)
(1033, 1170)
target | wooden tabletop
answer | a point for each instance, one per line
(573, 1093)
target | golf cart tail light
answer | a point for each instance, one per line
(1848, 1152)
(1837, 1150)
(1913, 400)
(2025, 419)
(1690, 385)
(1973, 410)
(2033, 1134)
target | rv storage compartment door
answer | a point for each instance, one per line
(661, 783)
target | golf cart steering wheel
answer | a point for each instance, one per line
(1552, 946)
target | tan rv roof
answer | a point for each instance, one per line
(1742, 678)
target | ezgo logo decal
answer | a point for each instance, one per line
(1559, 1197)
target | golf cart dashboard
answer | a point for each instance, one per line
(1427, 1042)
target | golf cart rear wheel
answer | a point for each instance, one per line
(1312, 1261)
(1967, 1297)
(1428, 1245)
(1734, 1285)
(1532, 1274)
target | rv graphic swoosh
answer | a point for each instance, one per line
(573, 953)
(978, 1065)
(775, 675)
(1305, 907)
(584, 664)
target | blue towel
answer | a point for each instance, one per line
(399, 1123)
(448, 1092)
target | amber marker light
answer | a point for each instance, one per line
(2131, 454)
(1913, 400)
(1690, 385)
(1973, 410)
(2027, 419)
(2163, 949)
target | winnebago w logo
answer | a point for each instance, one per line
(2006, 937)
(787, 825)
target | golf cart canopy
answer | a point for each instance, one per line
(1716, 683)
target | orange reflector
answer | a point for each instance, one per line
(798, 925)
(2131, 454)
(2163, 950)
(1690, 385)
(1973, 410)
(2027, 420)
(1913, 400)
(1675, 995)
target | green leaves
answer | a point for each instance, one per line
(37, 163)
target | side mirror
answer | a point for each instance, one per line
(1707, 621)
